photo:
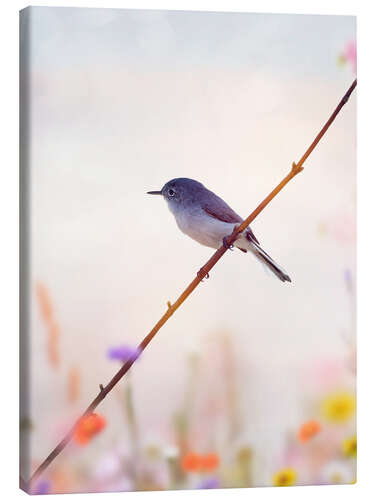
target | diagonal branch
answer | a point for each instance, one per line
(296, 169)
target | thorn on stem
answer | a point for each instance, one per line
(296, 169)
(202, 274)
(101, 387)
(169, 305)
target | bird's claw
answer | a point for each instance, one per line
(227, 245)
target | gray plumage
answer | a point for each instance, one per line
(206, 218)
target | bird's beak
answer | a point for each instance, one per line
(153, 192)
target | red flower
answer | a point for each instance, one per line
(209, 462)
(88, 427)
(193, 462)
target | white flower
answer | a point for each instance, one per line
(107, 466)
(338, 472)
(171, 452)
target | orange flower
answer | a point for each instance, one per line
(308, 430)
(191, 462)
(88, 427)
(209, 462)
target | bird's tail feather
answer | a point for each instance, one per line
(269, 262)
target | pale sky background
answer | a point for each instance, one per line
(122, 101)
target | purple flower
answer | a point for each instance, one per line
(348, 280)
(43, 488)
(209, 483)
(124, 353)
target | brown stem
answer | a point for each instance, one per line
(296, 169)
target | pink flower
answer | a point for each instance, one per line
(350, 54)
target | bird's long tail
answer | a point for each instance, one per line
(261, 255)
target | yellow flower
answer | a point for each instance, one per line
(285, 477)
(341, 60)
(339, 407)
(349, 447)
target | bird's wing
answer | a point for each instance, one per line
(218, 209)
(221, 211)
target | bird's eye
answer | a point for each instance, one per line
(171, 192)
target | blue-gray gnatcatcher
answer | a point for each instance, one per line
(206, 218)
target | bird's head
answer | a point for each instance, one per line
(181, 191)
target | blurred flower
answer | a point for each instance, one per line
(325, 374)
(209, 483)
(53, 344)
(349, 447)
(348, 280)
(285, 477)
(337, 472)
(73, 384)
(153, 452)
(171, 455)
(108, 466)
(340, 225)
(209, 462)
(64, 477)
(88, 427)
(244, 454)
(26, 424)
(53, 330)
(43, 487)
(124, 353)
(244, 461)
(45, 302)
(349, 55)
(171, 452)
(341, 60)
(308, 430)
(191, 462)
(339, 407)
(120, 484)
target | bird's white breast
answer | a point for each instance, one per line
(203, 228)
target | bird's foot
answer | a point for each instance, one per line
(227, 245)
(202, 274)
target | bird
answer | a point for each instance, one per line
(209, 220)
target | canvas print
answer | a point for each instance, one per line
(188, 248)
